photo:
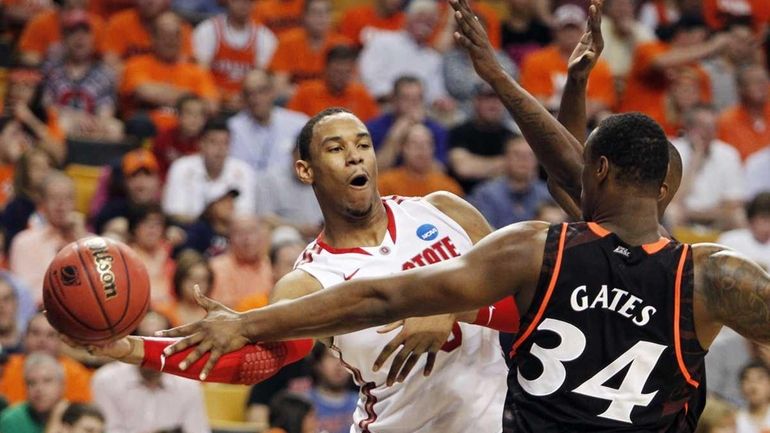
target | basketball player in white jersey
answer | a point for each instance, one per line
(367, 236)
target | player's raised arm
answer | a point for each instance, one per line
(502, 264)
(555, 147)
(734, 291)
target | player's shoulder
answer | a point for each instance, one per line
(295, 284)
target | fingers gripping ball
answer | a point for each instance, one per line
(96, 290)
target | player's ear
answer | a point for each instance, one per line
(663, 192)
(602, 169)
(304, 171)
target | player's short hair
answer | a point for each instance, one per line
(759, 205)
(635, 144)
(754, 365)
(76, 411)
(306, 134)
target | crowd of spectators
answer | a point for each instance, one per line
(188, 111)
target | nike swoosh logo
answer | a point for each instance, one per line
(347, 277)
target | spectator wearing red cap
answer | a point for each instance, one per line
(544, 72)
(42, 36)
(141, 186)
(80, 87)
(230, 45)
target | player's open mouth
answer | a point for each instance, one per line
(359, 181)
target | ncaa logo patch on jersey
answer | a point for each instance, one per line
(427, 232)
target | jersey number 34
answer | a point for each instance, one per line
(643, 357)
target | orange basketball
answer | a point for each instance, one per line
(96, 290)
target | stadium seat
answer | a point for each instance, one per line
(86, 178)
(226, 408)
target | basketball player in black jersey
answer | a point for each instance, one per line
(616, 319)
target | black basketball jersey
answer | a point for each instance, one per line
(608, 343)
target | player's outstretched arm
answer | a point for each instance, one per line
(555, 147)
(734, 291)
(501, 265)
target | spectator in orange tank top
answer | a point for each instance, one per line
(301, 52)
(336, 89)
(279, 15)
(358, 22)
(42, 35)
(230, 45)
(129, 32)
(746, 126)
(156, 81)
(655, 65)
(544, 72)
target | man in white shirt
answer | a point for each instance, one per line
(136, 400)
(713, 186)
(192, 178)
(754, 241)
(263, 135)
(390, 55)
(231, 45)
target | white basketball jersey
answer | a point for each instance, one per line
(466, 391)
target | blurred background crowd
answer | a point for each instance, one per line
(170, 125)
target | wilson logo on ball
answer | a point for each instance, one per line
(103, 260)
(69, 276)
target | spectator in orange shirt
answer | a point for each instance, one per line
(279, 15)
(41, 337)
(418, 175)
(746, 126)
(301, 53)
(337, 88)
(13, 143)
(655, 64)
(129, 32)
(358, 22)
(42, 35)
(683, 94)
(244, 270)
(544, 72)
(230, 46)
(156, 81)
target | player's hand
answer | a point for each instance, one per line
(220, 332)
(588, 50)
(471, 35)
(418, 336)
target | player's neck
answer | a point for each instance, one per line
(634, 221)
(342, 232)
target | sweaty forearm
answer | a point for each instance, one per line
(553, 144)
